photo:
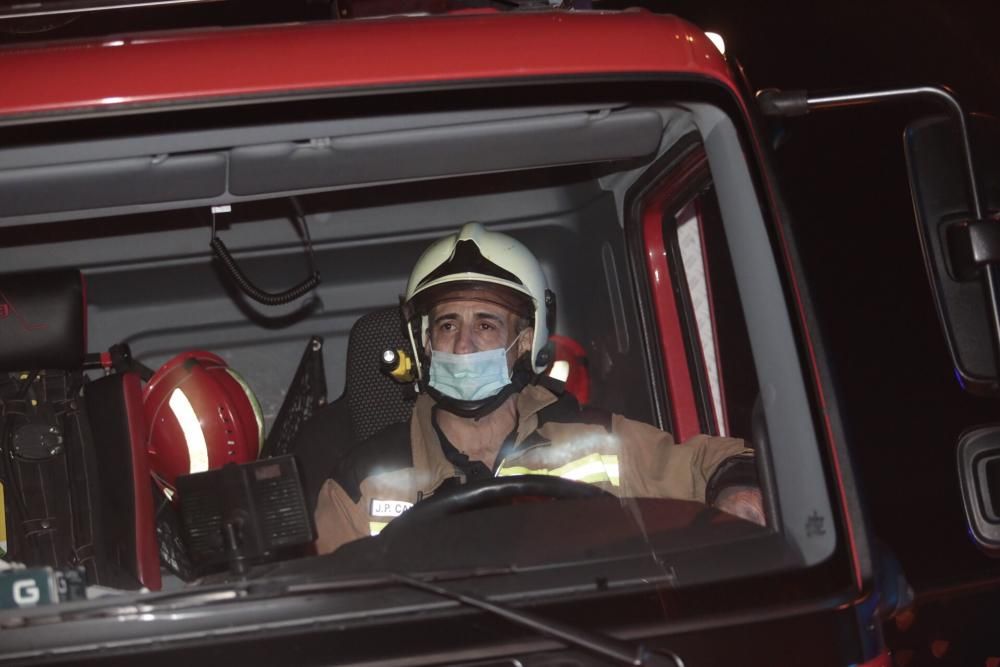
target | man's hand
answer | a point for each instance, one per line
(742, 501)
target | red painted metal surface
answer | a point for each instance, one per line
(119, 72)
(147, 551)
(683, 406)
(683, 409)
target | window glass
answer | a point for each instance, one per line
(689, 240)
(722, 364)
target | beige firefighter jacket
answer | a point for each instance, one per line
(626, 457)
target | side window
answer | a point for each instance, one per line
(723, 378)
(712, 341)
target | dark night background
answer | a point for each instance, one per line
(844, 181)
(845, 184)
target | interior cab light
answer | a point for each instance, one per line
(718, 41)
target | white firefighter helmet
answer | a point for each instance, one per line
(476, 258)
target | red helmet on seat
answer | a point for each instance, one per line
(201, 415)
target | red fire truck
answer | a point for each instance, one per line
(160, 191)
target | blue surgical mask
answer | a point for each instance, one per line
(470, 377)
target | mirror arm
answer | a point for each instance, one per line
(780, 103)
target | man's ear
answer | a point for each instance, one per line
(524, 342)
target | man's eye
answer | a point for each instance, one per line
(446, 326)
(486, 326)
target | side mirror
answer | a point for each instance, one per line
(955, 191)
(956, 196)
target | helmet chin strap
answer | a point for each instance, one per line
(520, 378)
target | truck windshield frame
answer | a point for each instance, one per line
(805, 540)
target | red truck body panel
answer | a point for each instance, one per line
(151, 69)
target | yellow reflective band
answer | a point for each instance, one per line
(375, 527)
(592, 469)
(515, 470)
(611, 467)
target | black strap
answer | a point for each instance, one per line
(471, 470)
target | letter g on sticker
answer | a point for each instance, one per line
(389, 507)
(26, 593)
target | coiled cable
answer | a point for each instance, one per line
(247, 286)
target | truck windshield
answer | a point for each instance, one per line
(545, 336)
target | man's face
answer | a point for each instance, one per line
(463, 326)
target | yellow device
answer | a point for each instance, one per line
(399, 365)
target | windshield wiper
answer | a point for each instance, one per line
(592, 642)
(622, 652)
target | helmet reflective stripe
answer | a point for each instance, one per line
(258, 414)
(375, 527)
(197, 448)
(477, 255)
(560, 370)
(593, 469)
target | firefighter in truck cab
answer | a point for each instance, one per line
(479, 314)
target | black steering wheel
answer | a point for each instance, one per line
(491, 492)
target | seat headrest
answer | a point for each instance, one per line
(375, 400)
(43, 321)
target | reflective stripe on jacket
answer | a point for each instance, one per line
(383, 477)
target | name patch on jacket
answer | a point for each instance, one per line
(389, 507)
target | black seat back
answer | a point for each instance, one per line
(74, 471)
(43, 321)
(371, 400)
(375, 399)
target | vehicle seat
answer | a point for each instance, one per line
(80, 496)
(370, 402)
